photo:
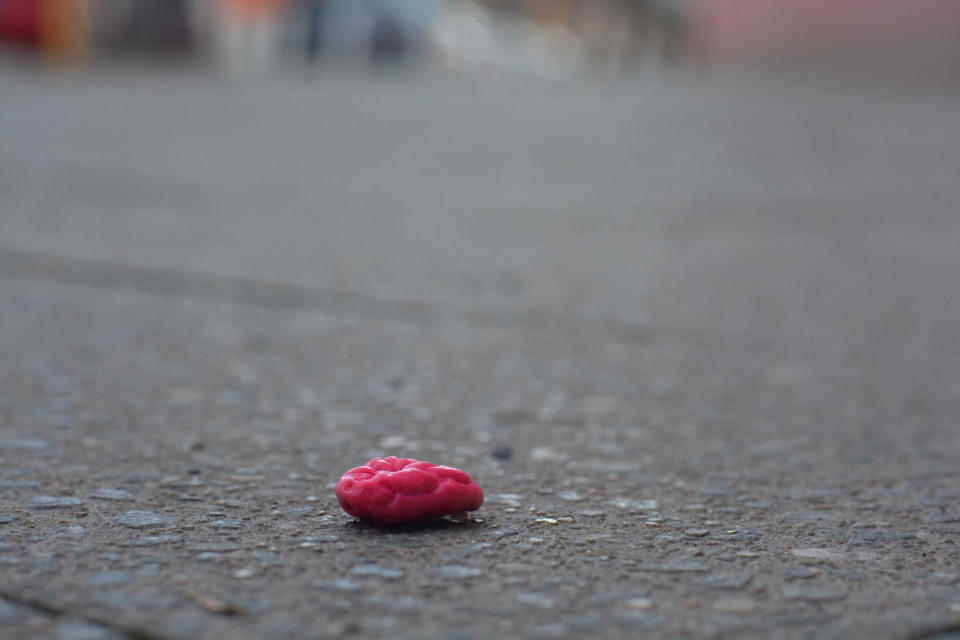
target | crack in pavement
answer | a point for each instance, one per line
(38, 606)
(934, 632)
(279, 295)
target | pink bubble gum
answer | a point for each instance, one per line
(399, 490)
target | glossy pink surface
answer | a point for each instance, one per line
(399, 490)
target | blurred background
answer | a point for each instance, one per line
(553, 39)
(770, 182)
(700, 251)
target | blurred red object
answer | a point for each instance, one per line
(253, 9)
(21, 21)
(400, 490)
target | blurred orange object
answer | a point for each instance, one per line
(63, 29)
(252, 9)
(57, 28)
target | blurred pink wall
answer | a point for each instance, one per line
(746, 26)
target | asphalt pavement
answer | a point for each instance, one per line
(695, 335)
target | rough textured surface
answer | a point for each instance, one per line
(697, 340)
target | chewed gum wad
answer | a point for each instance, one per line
(400, 490)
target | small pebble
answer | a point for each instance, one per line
(336, 584)
(546, 454)
(676, 566)
(697, 533)
(741, 606)
(537, 600)
(456, 572)
(55, 502)
(151, 541)
(220, 547)
(639, 603)
(393, 442)
(502, 452)
(801, 573)
(215, 605)
(118, 495)
(140, 519)
(509, 499)
(817, 553)
(376, 571)
(109, 579)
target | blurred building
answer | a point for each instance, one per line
(611, 34)
(728, 27)
(121, 27)
(245, 33)
(544, 38)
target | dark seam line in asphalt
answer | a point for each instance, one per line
(133, 633)
(275, 295)
(932, 632)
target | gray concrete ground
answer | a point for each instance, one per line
(697, 339)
